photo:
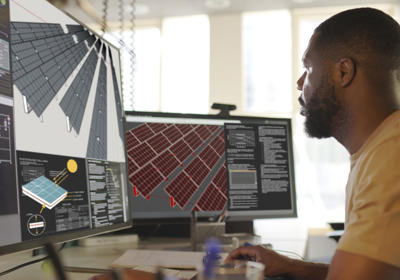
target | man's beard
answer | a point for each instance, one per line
(323, 112)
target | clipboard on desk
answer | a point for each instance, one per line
(182, 264)
(181, 260)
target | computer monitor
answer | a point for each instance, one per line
(180, 163)
(62, 144)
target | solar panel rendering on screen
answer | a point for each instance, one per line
(45, 192)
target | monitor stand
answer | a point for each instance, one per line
(239, 226)
(230, 234)
(200, 232)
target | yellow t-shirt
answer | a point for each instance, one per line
(372, 226)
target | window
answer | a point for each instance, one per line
(267, 62)
(171, 66)
(185, 65)
(146, 81)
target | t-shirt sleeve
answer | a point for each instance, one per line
(373, 224)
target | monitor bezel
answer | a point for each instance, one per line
(231, 216)
(61, 238)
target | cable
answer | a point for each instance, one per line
(121, 35)
(289, 252)
(27, 263)
(21, 265)
(132, 58)
(105, 11)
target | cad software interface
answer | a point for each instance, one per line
(179, 165)
(62, 151)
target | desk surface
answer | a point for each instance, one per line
(93, 257)
(100, 257)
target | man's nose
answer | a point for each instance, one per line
(300, 81)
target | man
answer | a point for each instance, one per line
(350, 91)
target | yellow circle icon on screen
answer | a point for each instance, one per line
(72, 166)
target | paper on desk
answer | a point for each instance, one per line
(180, 274)
(161, 258)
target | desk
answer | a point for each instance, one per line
(93, 257)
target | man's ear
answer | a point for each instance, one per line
(345, 71)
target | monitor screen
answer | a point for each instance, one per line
(62, 144)
(184, 163)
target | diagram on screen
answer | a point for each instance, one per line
(186, 161)
(61, 72)
(49, 193)
(36, 225)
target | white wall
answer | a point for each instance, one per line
(226, 79)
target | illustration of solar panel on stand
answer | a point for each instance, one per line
(44, 191)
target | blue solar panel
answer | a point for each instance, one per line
(45, 190)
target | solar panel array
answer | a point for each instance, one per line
(44, 191)
(43, 57)
(186, 160)
(97, 146)
(75, 100)
(117, 96)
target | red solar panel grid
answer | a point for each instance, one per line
(203, 132)
(212, 199)
(222, 135)
(193, 140)
(172, 133)
(166, 163)
(157, 127)
(146, 180)
(142, 154)
(159, 143)
(218, 145)
(181, 150)
(131, 140)
(184, 128)
(209, 156)
(142, 132)
(132, 167)
(197, 170)
(181, 188)
(213, 128)
(220, 179)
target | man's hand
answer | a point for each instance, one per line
(278, 265)
(275, 264)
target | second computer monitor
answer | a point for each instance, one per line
(184, 163)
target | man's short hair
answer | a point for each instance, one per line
(367, 35)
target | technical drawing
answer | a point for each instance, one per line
(36, 225)
(43, 58)
(45, 192)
